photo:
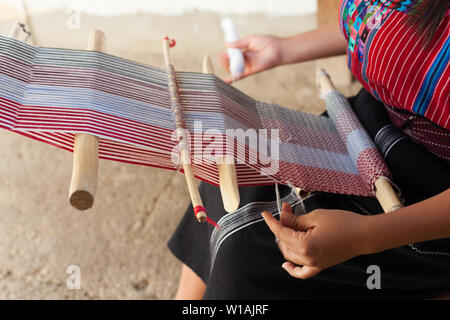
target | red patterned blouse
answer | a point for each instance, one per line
(391, 61)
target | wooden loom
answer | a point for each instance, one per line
(85, 156)
(85, 161)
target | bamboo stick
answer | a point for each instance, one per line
(225, 165)
(384, 192)
(83, 184)
(180, 130)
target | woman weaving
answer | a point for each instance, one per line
(399, 51)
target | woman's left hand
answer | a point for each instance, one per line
(320, 239)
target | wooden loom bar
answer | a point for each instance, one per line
(386, 195)
(225, 165)
(83, 184)
(180, 130)
(384, 192)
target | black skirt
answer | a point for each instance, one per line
(241, 260)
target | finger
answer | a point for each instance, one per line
(239, 44)
(287, 219)
(229, 80)
(290, 255)
(291, 237)
(224, 60)
(298, 272)
(304, 222)
(237, 78)
(286, 207)
(225, 63)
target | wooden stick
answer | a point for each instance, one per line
(85, 152)
(225, 165)
(27, 20)
(386, 195)
(302, 193)
(180, 130)
(15, 30)
(384, 192)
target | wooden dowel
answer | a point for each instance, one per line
(225, 165)
(385, 194)
(181, 136)
(207, 66)
(26, 19)
(324, 82)
(19, 28)
(15, 30)
(83, 184)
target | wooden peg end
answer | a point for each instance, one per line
(324, 82)
(81, 200)
(386, 195)
(207, 65)
(201, 216)
(96, 41)
(83, 184)
(15, 30)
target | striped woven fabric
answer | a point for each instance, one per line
(52, 94)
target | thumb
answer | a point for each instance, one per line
(304, 222)
(239, 44)
(298, 272)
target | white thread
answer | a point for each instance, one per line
(360, 207)
(277, 194)
(439, 253)
(433, 132)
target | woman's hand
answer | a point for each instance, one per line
(324, 238)
(317, 240)
(265, 52)
(260, 53)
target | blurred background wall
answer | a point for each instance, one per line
(169, 7)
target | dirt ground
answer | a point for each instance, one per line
(119, 244)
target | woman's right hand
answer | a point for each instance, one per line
(260, 53)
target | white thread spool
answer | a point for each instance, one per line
(237, 63)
